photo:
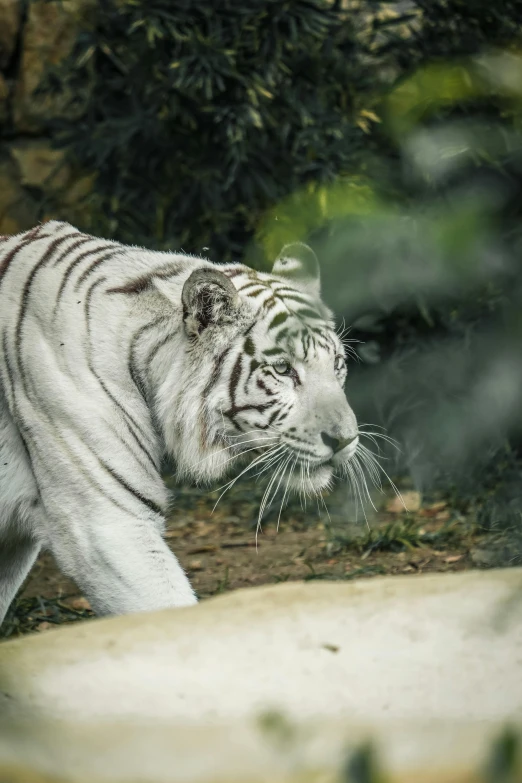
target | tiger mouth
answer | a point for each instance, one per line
(313, 463)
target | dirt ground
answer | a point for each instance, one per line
(219, 553)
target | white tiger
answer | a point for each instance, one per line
(112, 356)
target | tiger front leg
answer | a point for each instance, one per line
(121, 563)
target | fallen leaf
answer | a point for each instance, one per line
(411, 499)
(173, 534)
(204, 548)
(453, 558)
(44, 626)
(80, 604)
(203, 529)
(433, 509)
(195, 565)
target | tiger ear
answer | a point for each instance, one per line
(299, 263)
(208, 298)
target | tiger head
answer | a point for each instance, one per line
(266, 372)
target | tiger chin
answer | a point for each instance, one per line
(112, 357)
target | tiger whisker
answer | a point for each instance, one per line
(235, 445)
(373, 437)
(269, 464)
(364, 484)
(382, 435)
(241, 454)
(256, 461)
(265, 495)
(371, 468)
(292, 468)
(358, 491)
(326, 509)
(264, 501)
(373, 459)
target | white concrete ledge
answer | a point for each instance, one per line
(430, 667)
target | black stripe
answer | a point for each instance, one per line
(272, 351)
(72, 266)
(234, 380)
(88, 297)
(136, 493)
(262, 385)
(214, 375)
(254, 364)
(133, 286)
(170, 271)
(144, 282)
(294, 298)
(272, 418)
(306, 344)
(25, 296)
(308, 313)
(269, 303)
(277, 320)
(151, 355)
(81, 241)
(256, 292)
(282, 290)
(281, 334)
(249, 347)
(131, 360)
(10, 379)
(264, 406)
(90, 269)
(252, 282)
(30, 237)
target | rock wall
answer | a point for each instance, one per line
(37, 182)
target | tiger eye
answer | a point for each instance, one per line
(282, 368)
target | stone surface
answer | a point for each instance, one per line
(18, 211)
(4, 97)
(48, 37)
(10, 16)
(429, 667)
(40, 165)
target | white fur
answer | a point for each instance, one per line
(98, 379)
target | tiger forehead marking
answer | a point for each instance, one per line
(289, 316)
(112, 357)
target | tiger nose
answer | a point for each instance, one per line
(336, 444)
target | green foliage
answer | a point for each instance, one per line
(466, 27)
(199, 116)
(404, 534)
(505, 759)
(362, 767)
